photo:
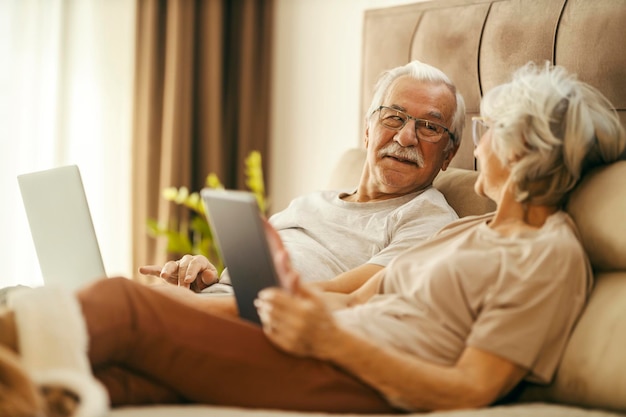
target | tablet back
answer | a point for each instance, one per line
(238, 228)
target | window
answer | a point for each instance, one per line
(66, 91)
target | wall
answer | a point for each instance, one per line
(317, 71)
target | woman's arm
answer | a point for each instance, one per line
(302, 324)
(478, 378)
(298, 319)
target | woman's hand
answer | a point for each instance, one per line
(295, 317)
(298, 322)
(191, 271)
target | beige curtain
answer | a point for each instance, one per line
(201, 101)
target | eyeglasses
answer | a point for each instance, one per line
(480, 126)
(424, 129)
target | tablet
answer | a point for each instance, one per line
(237, 227)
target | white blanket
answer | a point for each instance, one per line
(52, 339)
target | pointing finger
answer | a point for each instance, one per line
(152, 270)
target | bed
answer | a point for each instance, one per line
(478, 43)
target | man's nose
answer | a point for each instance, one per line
(407, 136)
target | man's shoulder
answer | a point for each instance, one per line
(432, 199)
(431, 193)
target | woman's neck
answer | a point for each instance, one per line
(512, 216)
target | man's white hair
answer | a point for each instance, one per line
(421, 72)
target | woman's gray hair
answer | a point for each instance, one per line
(551, 128)
(421, 72)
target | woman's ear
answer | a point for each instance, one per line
(367, 134)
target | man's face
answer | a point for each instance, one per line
(389, 171)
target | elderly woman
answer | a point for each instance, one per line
(455, 322)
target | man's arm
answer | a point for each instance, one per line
(345, 283)
(222, 304)
(349, 281)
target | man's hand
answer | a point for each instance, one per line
(191, 271)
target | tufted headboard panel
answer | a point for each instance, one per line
(479, 43)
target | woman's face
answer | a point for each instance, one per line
(492, 173)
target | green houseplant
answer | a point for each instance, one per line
(192, 234)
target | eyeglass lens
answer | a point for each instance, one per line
(424, 129)
(479, 128)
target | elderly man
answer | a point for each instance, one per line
(339, 239)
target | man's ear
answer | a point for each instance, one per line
(366, 139)
(448, 158)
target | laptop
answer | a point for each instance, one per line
(61, 227)
(236, 223)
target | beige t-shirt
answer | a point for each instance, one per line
(516, 297)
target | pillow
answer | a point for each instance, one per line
(457, 185)
(598, 206)
(591, 373)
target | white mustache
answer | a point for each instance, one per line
(411, 154)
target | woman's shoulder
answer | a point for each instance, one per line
(466, 222)
(560, 226)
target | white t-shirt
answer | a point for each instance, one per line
(516, 297)
(326, 235)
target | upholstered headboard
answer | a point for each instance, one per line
(479, 43)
